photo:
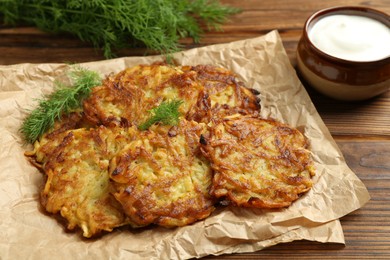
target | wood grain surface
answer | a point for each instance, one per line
(361, 129)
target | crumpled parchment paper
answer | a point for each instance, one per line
(28, 233)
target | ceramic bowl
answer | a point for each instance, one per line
(339, 78)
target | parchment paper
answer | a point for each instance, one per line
(28, 233)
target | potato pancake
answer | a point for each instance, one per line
(257, 162)
(77, 186)
(125, 99)
(223, 94)
(161, 177)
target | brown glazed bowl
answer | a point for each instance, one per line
(338, 78)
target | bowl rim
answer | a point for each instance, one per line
(349, 10)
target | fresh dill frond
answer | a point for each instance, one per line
(114, 24)
(166, 113)
(63, 100)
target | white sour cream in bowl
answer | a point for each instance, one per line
(344, 52)
(351, 37)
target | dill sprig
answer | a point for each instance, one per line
(63, 100)
(114, 24)
(166, 113)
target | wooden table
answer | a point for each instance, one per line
(361, 129)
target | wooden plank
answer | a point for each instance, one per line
(370, 117)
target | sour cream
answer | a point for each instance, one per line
(351, 37)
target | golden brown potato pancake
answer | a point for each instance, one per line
(162, 178)
(223, 94)
(258, 163)
(77, 182)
